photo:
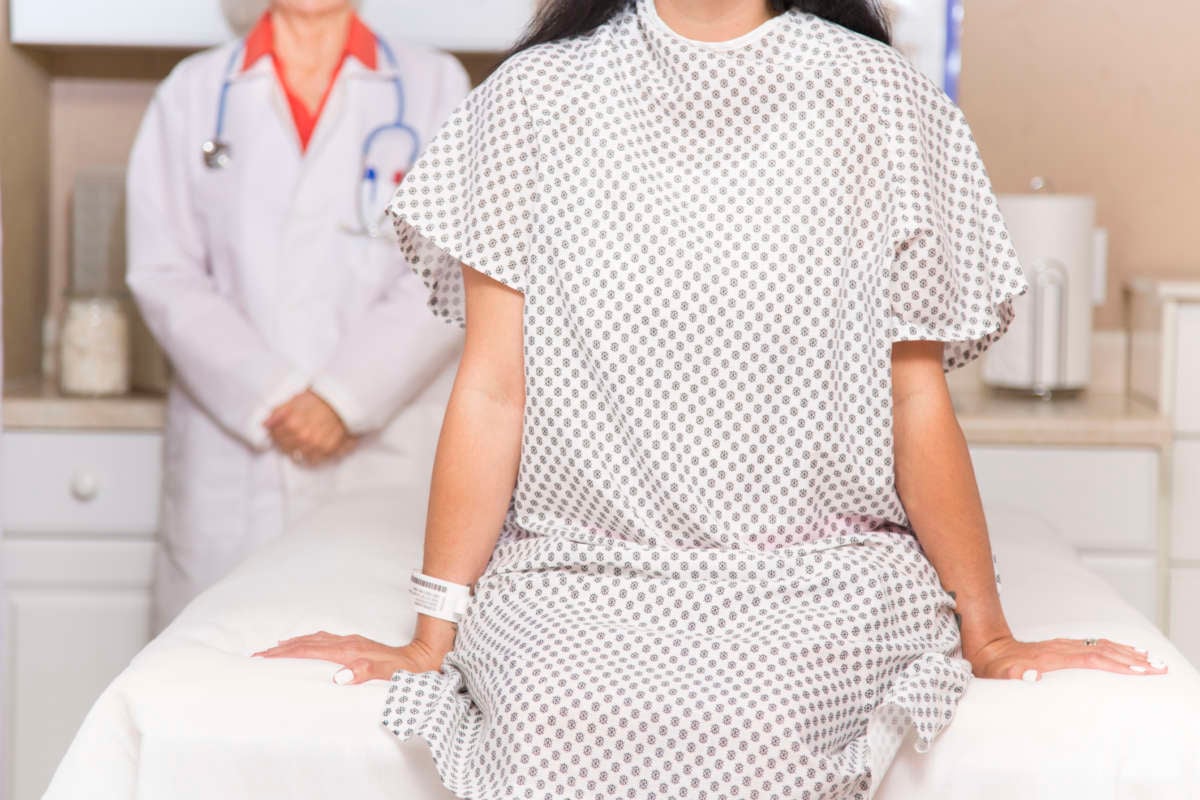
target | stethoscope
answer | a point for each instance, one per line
(218, 154)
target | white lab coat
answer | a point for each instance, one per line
(253, 288)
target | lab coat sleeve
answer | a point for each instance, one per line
(388, 355)
(217, 354)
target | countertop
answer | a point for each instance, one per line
(998, 417)
(1177, 289)
(987, 416)
(33, 403)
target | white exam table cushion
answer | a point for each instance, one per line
(194, 717)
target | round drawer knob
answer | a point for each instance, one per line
(85, 486)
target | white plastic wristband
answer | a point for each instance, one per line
(438, 598)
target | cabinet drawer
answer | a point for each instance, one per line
(81, 482)
(1096, 498)
(1185, 599)
(76, 612)
(1185, 499)
(1186, 400)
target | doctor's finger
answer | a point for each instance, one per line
(285, 429)
(278, 415)
(320, 442)
(286, 439)
(313, 452)
(326, 444)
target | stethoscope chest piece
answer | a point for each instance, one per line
(216, 154)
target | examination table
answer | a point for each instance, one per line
(193, 716)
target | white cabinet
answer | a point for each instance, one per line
(462, 25)
(1164, 327)
(1185, 499)
(76, 483)
(1186, 377)
(1185, 542)
(1185, 602)
(1103, 500)
(1096, 497)
(81, 512)
(77, 612)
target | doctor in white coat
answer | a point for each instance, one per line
(305, 361)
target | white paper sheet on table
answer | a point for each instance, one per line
(195, 717)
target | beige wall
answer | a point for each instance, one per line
(24, 153)
(1098, 95)
(1102, 97)
(92, 124)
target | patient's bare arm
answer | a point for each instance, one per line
(937, 486)
(474, 472)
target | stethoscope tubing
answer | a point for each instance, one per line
(223, 98)
(216, 151)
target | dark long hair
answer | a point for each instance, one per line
(561, 19)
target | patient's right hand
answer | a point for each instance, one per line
(363, 659)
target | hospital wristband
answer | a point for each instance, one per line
(435, 597)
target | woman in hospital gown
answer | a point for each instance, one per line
(700, 462)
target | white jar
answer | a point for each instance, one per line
(94, 355)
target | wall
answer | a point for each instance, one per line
(1102, 97)
(92, 124)
(24, 153)
(1096, 94)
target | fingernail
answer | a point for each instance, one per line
(1157, 663)
(1140, 650)
(343, 676)
(1137, 668)
(1029, 675)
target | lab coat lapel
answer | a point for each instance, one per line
(357, 103)
(264, 71)
(331, 131)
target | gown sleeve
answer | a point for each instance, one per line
(471, 197)
(954, 271)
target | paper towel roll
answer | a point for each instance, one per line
(1048, 346)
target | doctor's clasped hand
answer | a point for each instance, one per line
(308, 430)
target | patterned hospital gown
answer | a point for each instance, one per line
(705, 585)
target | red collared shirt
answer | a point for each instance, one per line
(360, 43)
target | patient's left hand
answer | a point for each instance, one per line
(1007, 658)
(362, 659)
